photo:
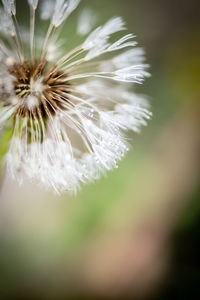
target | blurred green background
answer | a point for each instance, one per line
(136, 233)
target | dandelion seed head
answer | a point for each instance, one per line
(70, 111)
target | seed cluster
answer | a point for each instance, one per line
(49, 88)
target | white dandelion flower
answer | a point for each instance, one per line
(69, 110)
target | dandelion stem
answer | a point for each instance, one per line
(67, 57)
(46, 41)
(32, 32)
(18, 39)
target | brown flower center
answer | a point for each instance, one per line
(40, 92)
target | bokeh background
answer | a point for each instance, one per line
(136, 233)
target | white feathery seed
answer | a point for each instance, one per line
(10, 7)
(6, 24)
(46, 9)
(33, 3)
(63, 9)
(87, 20)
